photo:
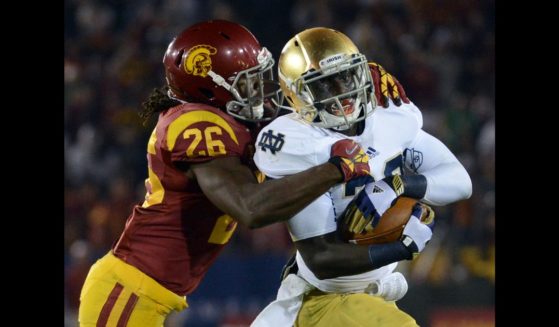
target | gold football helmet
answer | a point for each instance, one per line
(326, 79)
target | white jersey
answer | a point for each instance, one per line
(289, 145)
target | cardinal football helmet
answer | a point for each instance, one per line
(326, 79)
(222, 64)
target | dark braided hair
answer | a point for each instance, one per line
(157, 101)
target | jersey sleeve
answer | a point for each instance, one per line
(412, 110)
(447, 179)
(285, 147)
(200, 136)
(397, 126)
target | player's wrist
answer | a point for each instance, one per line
(337, 162)
(415, 186)
(412, 186)
(410, 246)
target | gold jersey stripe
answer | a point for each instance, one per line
(151, 142)
(157, 190)
(223, 229)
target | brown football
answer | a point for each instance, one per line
(390, 226)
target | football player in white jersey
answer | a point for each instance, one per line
(337, 94)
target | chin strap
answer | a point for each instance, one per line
(219, 80)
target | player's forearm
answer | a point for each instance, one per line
(348, 259)
(447, 179)
(279, 200)
(232, 188)
(339, 260)
(447, 183)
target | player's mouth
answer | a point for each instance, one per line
(348, 107)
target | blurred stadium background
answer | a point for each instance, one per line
(441, 51)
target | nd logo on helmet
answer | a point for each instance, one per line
(198, 61)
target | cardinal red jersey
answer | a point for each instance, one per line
(176, 234)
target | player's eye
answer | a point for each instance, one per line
(346, 77)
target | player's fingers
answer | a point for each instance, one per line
(401, 92)
(398, 101)
(429, 216)
(394, 91)
(362, 223)
(385, 101)
(429, 212)
(417, 211)
(350, 217)
(350, 211)
(356, 218)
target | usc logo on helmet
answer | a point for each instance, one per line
(198, 61)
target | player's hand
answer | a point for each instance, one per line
(371, 202)
(387, 86)
(418, 231)
(350, 159)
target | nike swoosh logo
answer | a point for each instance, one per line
(352, 150)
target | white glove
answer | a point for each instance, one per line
(417, 234)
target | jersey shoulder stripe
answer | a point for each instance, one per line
(198, 116)
(196, 133)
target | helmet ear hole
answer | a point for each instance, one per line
(207, 93)
(179, 58)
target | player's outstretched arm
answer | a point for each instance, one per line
(232, 187)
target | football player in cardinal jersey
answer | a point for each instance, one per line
(201, 178)
(338, 95)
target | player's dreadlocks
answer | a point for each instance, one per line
(157, 101)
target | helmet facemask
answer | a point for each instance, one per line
(336, 95)
(255, 92)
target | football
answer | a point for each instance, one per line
(390, 226)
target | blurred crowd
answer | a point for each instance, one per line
(441, 51)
